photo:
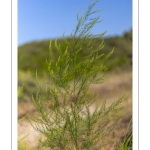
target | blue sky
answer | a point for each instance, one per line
(46, 19)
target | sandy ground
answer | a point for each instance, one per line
(115, 86)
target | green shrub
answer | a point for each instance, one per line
(67, 113)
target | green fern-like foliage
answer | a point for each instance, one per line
(66, 111)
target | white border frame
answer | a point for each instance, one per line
(141, 74)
